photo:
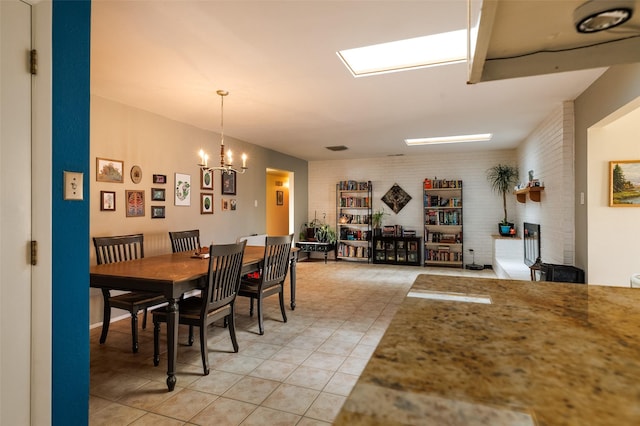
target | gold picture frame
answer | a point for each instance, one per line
(624, 183)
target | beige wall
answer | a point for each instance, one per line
(617, 87)
(614, 232)
(162, 146)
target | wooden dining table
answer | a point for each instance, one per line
(173, 275)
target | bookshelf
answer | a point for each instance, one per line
(397, 250)
(443, 242)
(353, 217)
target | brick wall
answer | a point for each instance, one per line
(482, 208)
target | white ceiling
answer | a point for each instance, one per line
(288, 89)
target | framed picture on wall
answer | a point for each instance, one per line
(183, 190)
(135, 203)
(158, 194)
(279, 198)
(109, 170)
(624, 183)
(161, 179)
(206, 203)
(225, 204)
(157, 212)
(108, 201)
(228, 183)
(206, 179)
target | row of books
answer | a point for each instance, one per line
(352, 185)
(354, 234)
(442, 254)
(442, 237)
(444, 217)
(441, 183)
(346, 250)
(437, 201)
(355, 219)
(355, 202)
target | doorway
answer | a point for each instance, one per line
(279, 199)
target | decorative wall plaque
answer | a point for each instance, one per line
(396, 198)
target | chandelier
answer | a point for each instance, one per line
(226, 165)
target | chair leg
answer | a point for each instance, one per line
(106, 315)
(232, 328)
(260, 319)
(156, 343)
(134, 332)
(251, 306)
(190, 335)
(144, 319)
(203, 349)
(281, 296)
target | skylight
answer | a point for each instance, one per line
(449, 139)
(403, 55)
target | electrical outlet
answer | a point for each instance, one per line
(73, 185)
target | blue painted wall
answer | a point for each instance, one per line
(70, 219)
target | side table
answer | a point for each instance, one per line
(315, 246)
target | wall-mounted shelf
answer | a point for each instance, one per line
(533, 191)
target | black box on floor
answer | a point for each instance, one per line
(561, 273)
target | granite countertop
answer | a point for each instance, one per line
(541, 353)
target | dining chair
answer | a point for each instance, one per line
(185, 240)
(277, 251)
(217, 300)
(120, 249)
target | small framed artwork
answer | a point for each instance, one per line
(624, 183)
(279, 198)
(206, 203)
(136, 174)
(225, 204)
(109, 170)
(206, 179)
(158, 194)
(108, 201)
(160, 179)
(157, 212)
(228, 183)
(183, 190)
(135, 203)
(232, 204)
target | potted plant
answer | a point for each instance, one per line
(325, 234)
(502, 177)
(376, 221)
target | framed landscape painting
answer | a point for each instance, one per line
(624, 183)
(109, 170)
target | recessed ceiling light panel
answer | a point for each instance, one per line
(402, 55)
(449, 139)
(601, 15)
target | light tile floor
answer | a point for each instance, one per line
(297, 373)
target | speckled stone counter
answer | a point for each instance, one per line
(541, 353)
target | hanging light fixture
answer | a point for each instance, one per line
(226, 166)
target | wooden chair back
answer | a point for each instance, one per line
(119, 248)
(277, 251)
(225, 267)
(185, 240)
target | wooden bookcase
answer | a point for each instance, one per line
(443, 237)
(353, 217)
(397, 250)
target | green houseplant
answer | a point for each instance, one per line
(502, 177)
(376, 221)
